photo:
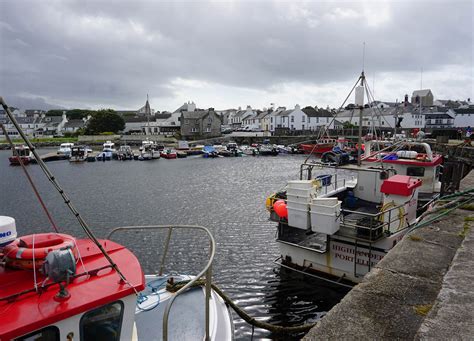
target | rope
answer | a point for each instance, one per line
(66, 199)
(30, 180)
(246, 317)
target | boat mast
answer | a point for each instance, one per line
(147, 112)
(359, 101)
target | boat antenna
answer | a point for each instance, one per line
(363, 56)
(361, 110)
(66, 199)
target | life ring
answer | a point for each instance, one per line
(21, 253)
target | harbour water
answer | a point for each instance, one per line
(226, 195)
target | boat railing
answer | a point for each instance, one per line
(207, 270)
(331, 183)
(371, 226)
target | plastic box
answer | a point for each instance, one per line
(325, 179)
(298, 218)
(326, 206)
(300, 184)
(297, 198)
(297, 205)
(324, 223)
(301, 192)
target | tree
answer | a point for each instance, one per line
(105, 120)
(77, 114)
(54, 112)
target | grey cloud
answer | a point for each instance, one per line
(113, 53)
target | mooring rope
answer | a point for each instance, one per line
(246, 317)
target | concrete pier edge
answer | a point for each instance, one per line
(422, 289)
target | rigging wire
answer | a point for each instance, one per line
(66, 199)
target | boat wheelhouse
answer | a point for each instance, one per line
(168, 154)
(22, 153)
(411, 158)
(79, 154)
(65, 149)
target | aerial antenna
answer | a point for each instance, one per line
(363, 57)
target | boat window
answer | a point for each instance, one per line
(103, 323)
(416, 171)
(50, 333)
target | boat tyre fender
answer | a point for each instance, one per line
(23, 251)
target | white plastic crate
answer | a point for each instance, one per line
(324, 223)
(297, 205)
(326, 206)
(300, 184)
(301, 192)
(298, 218)
(297, 198)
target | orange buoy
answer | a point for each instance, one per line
(280, 208)
(23, 251)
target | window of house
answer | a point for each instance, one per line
(271, 119)
(302, 126)
(271, 127)
(317, 119)
(104, 323)
(208, 130)
(292, 127)
(193, 130)
(302, 118)
(309, 119)
(292, 119)
(382, 123)
(50, 333)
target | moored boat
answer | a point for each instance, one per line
(65, 149)
(125, 152)
(319, 146)
(22, 153)
(168, 154)
(79, 154)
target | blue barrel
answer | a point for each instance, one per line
(325, 179)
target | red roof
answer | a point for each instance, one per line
(32, 311)
(400, 185)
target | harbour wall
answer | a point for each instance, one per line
(422, 289)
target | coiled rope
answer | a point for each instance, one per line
(246, 317)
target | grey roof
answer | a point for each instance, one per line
(194, 115)
(437, 115)
(469, 110)
(284, 112)
(311, 112)
(263, 114)
(74, 124)
(421, 93)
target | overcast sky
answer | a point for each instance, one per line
(97, 54)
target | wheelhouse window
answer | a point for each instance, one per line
(50, 333)
(103, 323)
(415, 171)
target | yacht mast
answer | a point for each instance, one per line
(359, 102)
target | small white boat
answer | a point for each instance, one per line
(65, 149)
(125, 152)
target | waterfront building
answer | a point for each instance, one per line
(423, 97)
(200, 124)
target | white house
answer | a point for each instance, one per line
(249, 118)
(463, 116)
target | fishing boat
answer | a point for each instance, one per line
(22, 153)
(318, 147)
(181, 154)
(54, 286)
(65, 149)
(338, 219)
(168, 154)
(125, 152)
(209, 152)
(267, 149)
(148, 151)
(79, 154)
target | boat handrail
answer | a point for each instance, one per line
(377, 217)
(206, 270)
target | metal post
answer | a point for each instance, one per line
(165, 252)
